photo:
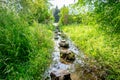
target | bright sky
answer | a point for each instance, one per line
(61, 3)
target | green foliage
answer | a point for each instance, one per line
(64, 15)
(74, 19)
(30, 10)
(109, 15)
(67, 18)
(100, 39)
(106, 12)
(41, 42)
(12, 33)
(14, 46)
(24, 50)
(35, 10)
(97, 43)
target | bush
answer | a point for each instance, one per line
(41, 42)
(99, 44)
(24, 51)
(14, 45)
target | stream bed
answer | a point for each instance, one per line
(68, 62)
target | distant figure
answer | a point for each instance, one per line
(56, 14)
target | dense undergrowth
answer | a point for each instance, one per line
(102, 45)
(24, 49)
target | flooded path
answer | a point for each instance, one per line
(66, 58)
(61, 66)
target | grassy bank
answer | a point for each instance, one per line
(24, 50)
(99, 44)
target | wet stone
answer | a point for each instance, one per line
(67, 55)
(57, 29)
(60, 75)
(56, 32)
(65, 51)
(64, 44)
(62, 48)
(59, 33)
(63, 36)
(56, 37)
(63, 41)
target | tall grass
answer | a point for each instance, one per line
(24, 50)
(41, 40)
(99, 44)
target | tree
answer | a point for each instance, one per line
(30, 10)
(56, 14)
(64, 16)
(106, 12)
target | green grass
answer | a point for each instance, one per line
(25, 51)
(44, 45)
(98, 44)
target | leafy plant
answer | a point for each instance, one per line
(24, 50)
(98, 44)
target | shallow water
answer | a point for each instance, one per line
(56, 62)
(79, 69)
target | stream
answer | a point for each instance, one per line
(65, 60)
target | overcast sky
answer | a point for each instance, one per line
(61, 3)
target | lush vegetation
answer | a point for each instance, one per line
(99, 45)
(64, 16)
(26, 43)
(104, 12)
(25, 32)
(68, 17)
(95, 30)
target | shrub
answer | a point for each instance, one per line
(24, 51)
(98, 44)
